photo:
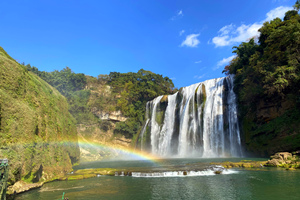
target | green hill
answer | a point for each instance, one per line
(35, 125)
(267, 82)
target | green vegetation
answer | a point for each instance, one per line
(125, 92)
(241, 164)
(34, 125)
(267, 79)
(136, 89)
(71, 85)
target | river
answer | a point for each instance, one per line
(167, 183)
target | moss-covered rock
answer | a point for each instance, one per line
(242, 164)
(282, 159)
(38, 134)
(278, 134)
(285, 160)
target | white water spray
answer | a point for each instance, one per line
(199, 120)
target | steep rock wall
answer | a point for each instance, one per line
(38, 134)
(272, 127)
(100, 131)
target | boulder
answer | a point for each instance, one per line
(282, 156)
(273, 162)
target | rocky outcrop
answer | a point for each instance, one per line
(284, 159)
(99, 132)
(92, 134)
(113, 116)
(103, 102)
(22, 186)
(272, 127)
(281, 158)
(267, 111)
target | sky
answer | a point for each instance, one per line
(189, 41)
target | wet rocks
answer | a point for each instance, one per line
(284, 159)
(217, 169)
(22, 186)
(242, 164)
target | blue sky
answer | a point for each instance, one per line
(189, 41)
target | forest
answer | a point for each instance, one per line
(130, 93)
(267, 74)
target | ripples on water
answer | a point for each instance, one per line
(233, 184)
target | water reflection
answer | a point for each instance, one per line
(246, 184)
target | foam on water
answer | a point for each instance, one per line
(179, 173)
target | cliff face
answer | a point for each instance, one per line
(273, 127)
(109, 107)
(103, 105)
(38, 134)
(98, 144)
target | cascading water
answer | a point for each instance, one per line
(199, 120)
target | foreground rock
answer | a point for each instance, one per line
(281, 159)
(22, 186)
(284, 159)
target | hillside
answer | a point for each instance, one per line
(267, 82)
(38, 134)
(110, 109)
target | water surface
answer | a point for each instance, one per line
(266, 183)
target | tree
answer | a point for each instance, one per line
(271, 68)
(135, 89)
(297, 5)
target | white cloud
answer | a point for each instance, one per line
(197, 62)
(277, 12)
(199, 76)
(230, 34)
(178, 14)
(181, 32)
(279, 1)
(223, 62)
(191, 41)
(226, 29)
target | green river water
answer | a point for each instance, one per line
(263, 183)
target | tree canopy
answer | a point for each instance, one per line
(267, 80)
(270, 67)
(136, 89)
(130, 93)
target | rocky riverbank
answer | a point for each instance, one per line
(289, 161)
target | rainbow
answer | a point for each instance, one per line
(128, 152)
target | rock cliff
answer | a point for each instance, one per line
(38, 134)
(272, 127)
(100, 132)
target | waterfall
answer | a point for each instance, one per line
(198, 121)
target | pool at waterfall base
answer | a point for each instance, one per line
(165, 180)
